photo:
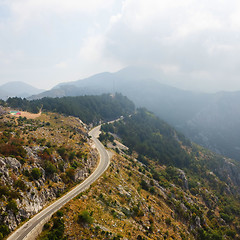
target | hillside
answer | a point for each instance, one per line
(216, 126)
(40, 159)
(153, 194)
(91, 109)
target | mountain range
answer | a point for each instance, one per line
(209, 119)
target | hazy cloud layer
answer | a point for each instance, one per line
(195, 44)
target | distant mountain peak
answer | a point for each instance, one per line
(18, 89)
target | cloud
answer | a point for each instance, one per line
(195, 44)
(51, 33)
(27, 12)
(92, 55)
(92, 48)
(61, 65)
(21, 7)
(199, 40)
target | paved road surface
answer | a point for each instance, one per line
(26, 229)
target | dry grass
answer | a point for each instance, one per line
(106, 204)
(29, 115)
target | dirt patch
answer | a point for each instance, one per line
(30, 115)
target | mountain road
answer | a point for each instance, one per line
(27, 229)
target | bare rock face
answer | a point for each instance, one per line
(182, 175)
(90, 163)
(36, 193)
(13, 163)
(183, 207)
(10, 221)
(123, 192)
(32, 153)
(198, 222)
(31, 200)
(56, 178)
(80, 174)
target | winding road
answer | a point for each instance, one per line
(28, 230)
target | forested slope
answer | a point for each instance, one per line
(90, 109)
(158, 186)
(174, 161)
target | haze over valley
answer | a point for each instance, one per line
(209, 119)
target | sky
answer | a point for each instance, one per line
(194, 44)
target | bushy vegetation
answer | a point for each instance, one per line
(85, 217)
(4, 231)
(149, 136)
(36, 173)
(208, 206)
(156, 144)
(56, 232)
(90, 109)
(12, 205)
(39, 155)
(11, 145)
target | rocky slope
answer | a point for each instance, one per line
(39, 160)
(149, 197)
(128, 202)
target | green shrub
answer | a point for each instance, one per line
(226, 217)
(57, 229)
(59, 213)
(21, 185)
(12, 206)
(70, 173)
(36, 173)
(144, 185)
(84, 217)
(49, 168)
(231, 233)
(168, 221)
(4, 230)
(72, 155)
(136, 211)
(46, 226)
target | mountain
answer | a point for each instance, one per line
(174, 105)
(100, 83)
(211, 120)
(18, 89)
(217, 125)
(158, 186)
(3, 94)
(155, 140)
